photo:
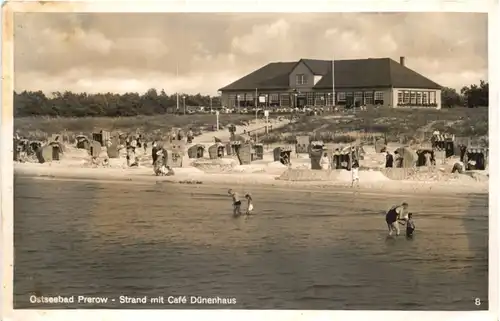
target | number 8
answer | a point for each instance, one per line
(477, 301)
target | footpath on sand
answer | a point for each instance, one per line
(223, 133)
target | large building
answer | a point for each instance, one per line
(308, 82)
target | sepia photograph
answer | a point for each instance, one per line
(285, 161)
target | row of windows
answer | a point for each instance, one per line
(368, 97)
(311, 98)
(417, 98)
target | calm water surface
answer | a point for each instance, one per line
(302, 250)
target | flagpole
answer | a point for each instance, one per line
(177, 77)
(333, 81)
(256, 109)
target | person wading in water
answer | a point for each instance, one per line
(236, 203)
(395, 214)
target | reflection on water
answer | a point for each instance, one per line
(302, 250)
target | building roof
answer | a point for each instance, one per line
(356, 73)
(274, 75)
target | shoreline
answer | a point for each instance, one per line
(187, 176)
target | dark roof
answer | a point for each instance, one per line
(380, 72)
(317, 67)
(356, 73)
(403, 77)
(272, 76)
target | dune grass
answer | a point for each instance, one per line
(39, 128)
(397, 125)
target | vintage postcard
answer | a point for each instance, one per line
(247, 161)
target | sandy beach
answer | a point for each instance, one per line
(75, 164)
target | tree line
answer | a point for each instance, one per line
(470, 96)
(69, 104)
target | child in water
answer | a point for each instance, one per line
(410, 226)
(250, 204)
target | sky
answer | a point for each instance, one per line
(202, 52)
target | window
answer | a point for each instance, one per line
(329, 99)
(341, 96)
(369, 97)
(319, 99)
(419, 98)
(274, 98)
(239, 100)
(406, 97)
(358, 96)
(310, 99)
(249, 100)
(379, 97)
(285, 100)
(433, 97)
(233, 100)
(400, 97)
(413, 97)
(425, 98)
(301, 79)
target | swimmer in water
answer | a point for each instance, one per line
(250, 204)
(236, 203)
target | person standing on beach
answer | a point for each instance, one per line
(389, 160)
(324, 162)
(154, 152)
(190, 136)
(355, 173)
(428, 157)
(236, 203)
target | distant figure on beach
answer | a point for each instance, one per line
(463, 152)
(458, 167)
(398, 159)
(131, 159)
(249, 204)
(180, 134)
(154, 152)
(174, 133)
(139, 141)
(355, 173)
(389, 160)
(284, 159)
(190, 136)
(395, 214)
(324, 162)
(428, 161)
(236, 203)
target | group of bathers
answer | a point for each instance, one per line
(399, 215)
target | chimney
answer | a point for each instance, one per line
(402, 61)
